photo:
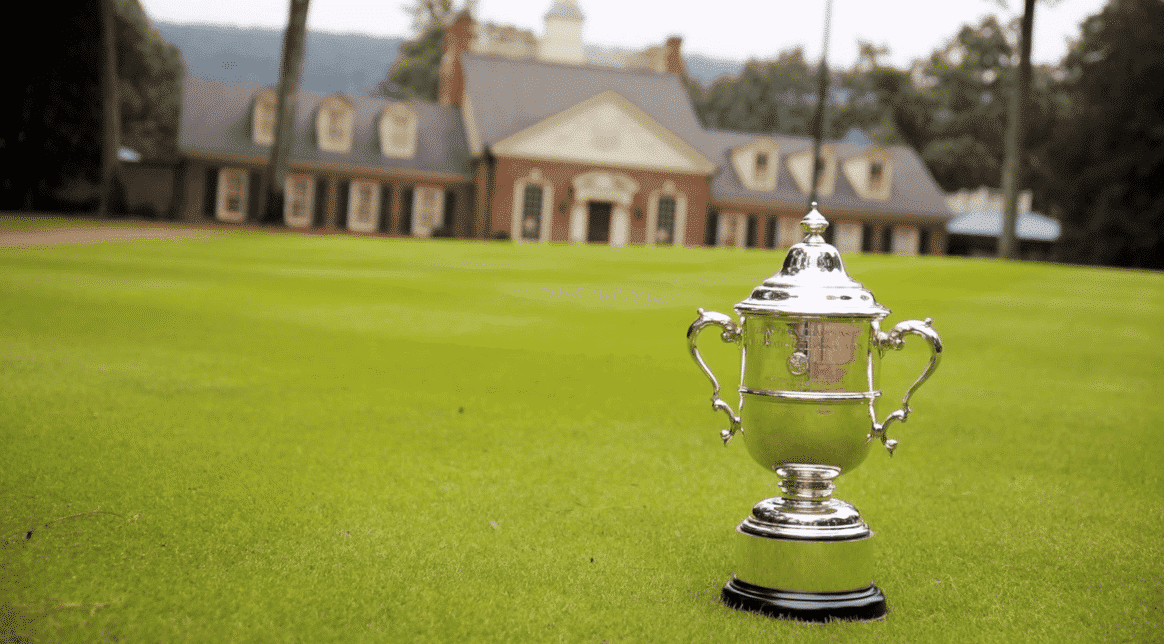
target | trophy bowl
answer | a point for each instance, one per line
(811, 345)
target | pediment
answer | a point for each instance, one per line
(608, 130)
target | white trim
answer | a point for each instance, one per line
(678, 235)
(307, 214)
(220, 211)
(607, 130)
(372, 223)
(516, 224)
(599, 185)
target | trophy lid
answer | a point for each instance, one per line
(812, 281)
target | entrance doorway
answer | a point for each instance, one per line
(598, 227)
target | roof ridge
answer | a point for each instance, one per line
(549, 63)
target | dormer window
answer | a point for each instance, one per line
(755, 164)
(333, 124)
(870, 173)
(800, 166)
(263, 118)
(398, 131)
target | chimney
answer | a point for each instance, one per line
(674, 57)
(451, 80)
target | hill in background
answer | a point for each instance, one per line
(350, 63)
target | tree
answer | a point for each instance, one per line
(1012, 167)
(290, 73)
(1107, 153)
(416, 72)
(110, 116)
(772, 97)
(150, 72)
(51, 125)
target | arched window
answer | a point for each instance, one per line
(398, 131)
(263, 117)
(667, 216)
(333, 124)
(533, 207)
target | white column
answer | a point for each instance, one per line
(579, 220)
(619, 226)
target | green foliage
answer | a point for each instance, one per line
(417, 70)
(416, 73)
(50, 129)
(1105, 165)
(342, 439)
(150, 91)
(773, 96)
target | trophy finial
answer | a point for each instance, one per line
(813, 225)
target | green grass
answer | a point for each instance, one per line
(344, 439)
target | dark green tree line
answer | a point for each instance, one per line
(51, 122)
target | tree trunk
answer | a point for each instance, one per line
(1012, 166)
(290, 72)
(110, 110)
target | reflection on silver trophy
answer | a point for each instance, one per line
(812, 342)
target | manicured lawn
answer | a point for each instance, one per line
(343, 439)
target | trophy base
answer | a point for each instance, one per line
(866, 604)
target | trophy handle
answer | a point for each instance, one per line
(731, 333)
(895, 340)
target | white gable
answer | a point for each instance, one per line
(606, 130)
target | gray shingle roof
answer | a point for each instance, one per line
(216, 118)
(913, 190)
(508, 95)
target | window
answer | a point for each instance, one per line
(232, 195)
(400, 136)
(333, 124)
(297, 204)
(755, 163)
(531, 217)
(398, 131)
(533, 200)
(263, 118)
(666, 216)
(363, 206)
(761, 166)
(876, 174)
(665, 225)
(428, 210)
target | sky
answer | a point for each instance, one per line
(732, 29)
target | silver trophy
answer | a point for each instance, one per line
(811, 341)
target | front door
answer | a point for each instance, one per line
(598, 229)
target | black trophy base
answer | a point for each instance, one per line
(866, 604)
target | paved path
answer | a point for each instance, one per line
(79, 235)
